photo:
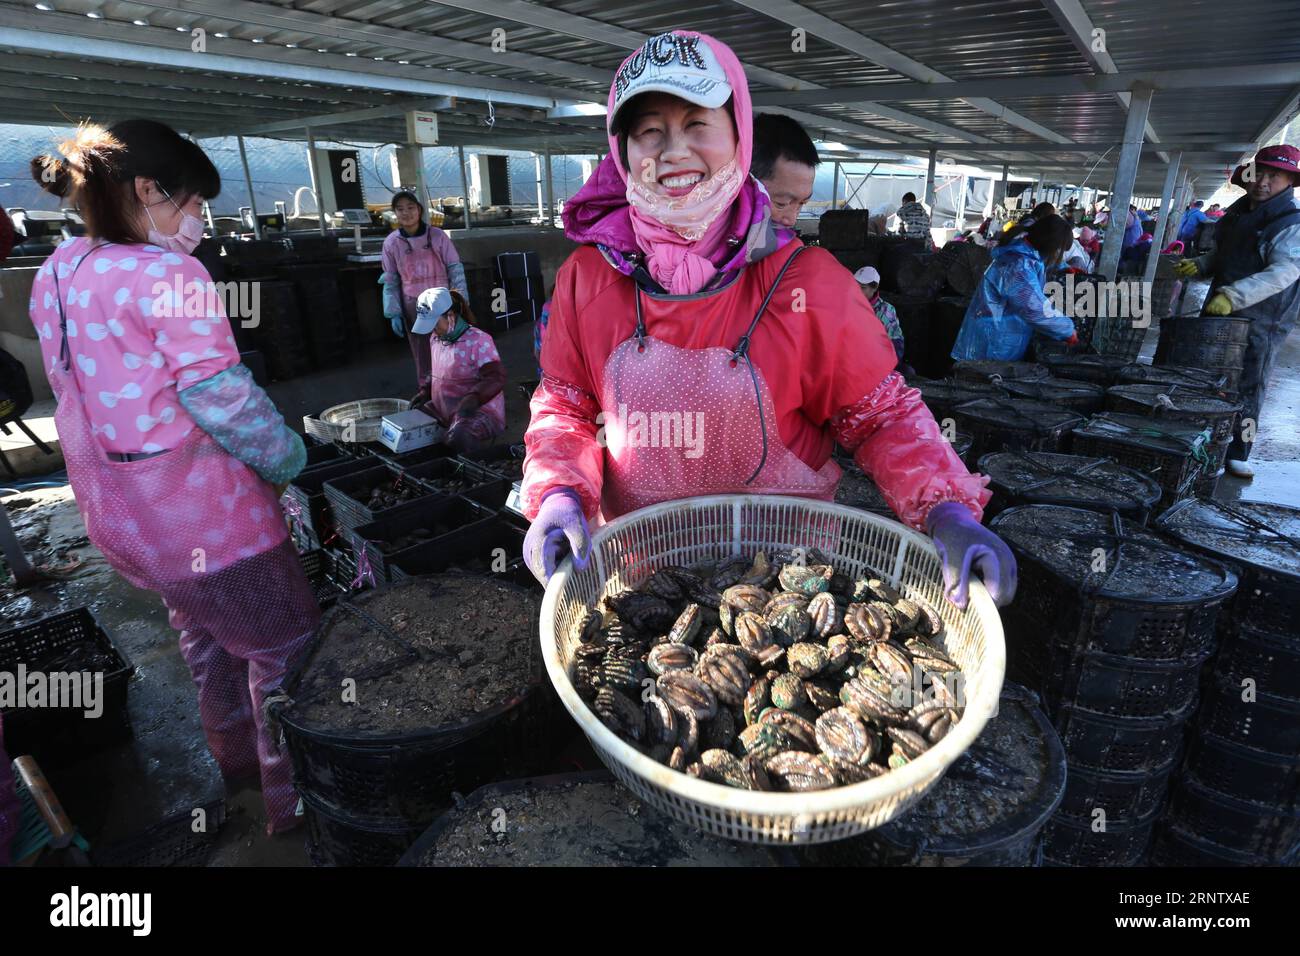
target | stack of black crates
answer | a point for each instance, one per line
(519, 274)
(1236, 799)
(1112, 625)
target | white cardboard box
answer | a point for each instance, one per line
(409, 430)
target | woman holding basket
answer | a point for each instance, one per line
(686, 304)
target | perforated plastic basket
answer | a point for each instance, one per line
(627, 550)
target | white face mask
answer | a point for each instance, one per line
(186, 238)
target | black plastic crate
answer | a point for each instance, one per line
(1271, 661)
(305, 503)
(318, 455)
(1067, 843)
(1267, 723)
(1244, 773)
(318, 565)
(173, 842)
(450, 520)
(475, 480)
(1126, 687)
(992, 370)
(513, 265)
(1097, 369)
(1085, 398)
(1258, 540)
(1195, 377)
(502, 460)
(396, 780)
(57, 736)
(1118, 337)
(418, 456)
(351, 513)
(942, 396)
(1120, 743)
(1016, 424)
(1148, 599)
(843, 229)
(1174, 454)
(1176, 404)
(335, 841)
(1270, 833)
(1191, 339)
(1174, 846)
(1018, 478)
(1123, 796)
(493, 548)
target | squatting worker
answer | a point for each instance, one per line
(785, 162)
(684, 300)
(466, 376)
(172, 451)
(1254, 271)
(415, 257)
(868, 280)
(1011, 303)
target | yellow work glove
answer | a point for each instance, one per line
(1187, 268)
(1219, 304)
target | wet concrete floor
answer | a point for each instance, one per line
(164, 771)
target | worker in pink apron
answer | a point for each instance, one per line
(466, 377)
(686, 305)
(172, 451)
(415, 257)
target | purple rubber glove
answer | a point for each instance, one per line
(560, 527)
(965, 545)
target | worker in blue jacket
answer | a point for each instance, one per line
(1011, 303)
(1191, 221)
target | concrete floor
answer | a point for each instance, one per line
(165, 770)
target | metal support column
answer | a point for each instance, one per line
(929, 180)
(1167, 214)
(1000, 195)
(315, 178)
(248, 181)
(550, 191)
(537, 171)
(421, 185)
(1125, 175)
(464, 181)
(835, 185)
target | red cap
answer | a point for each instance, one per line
(1279, 157)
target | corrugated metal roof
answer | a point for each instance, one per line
(563, 53)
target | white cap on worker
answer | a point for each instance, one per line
(678, 63)
(429, 308)
(867, 275)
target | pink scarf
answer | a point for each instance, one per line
(682, 238)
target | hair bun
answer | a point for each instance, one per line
(52, 173)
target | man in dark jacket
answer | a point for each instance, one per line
(785, 162)
(1254, 271)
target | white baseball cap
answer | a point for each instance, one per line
(867, 275)
(676, 63)
(431, 306)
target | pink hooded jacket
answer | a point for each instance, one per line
(829, 367)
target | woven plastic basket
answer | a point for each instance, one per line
(366, 417)
(629, 549)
